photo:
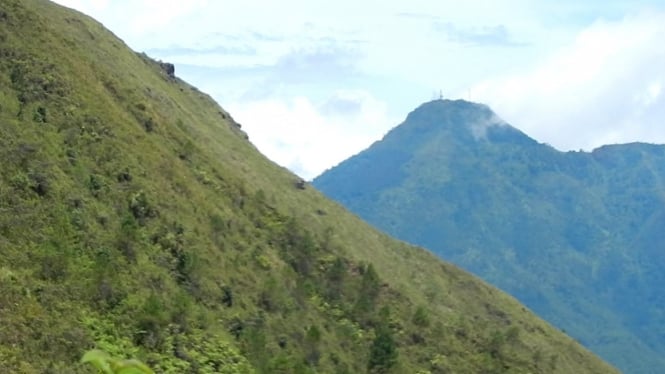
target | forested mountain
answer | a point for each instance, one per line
(576, 236)
(137, 218)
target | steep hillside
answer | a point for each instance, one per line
(136, 217)
(576, 236)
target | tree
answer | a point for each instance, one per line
(383, 353)
(370, 287)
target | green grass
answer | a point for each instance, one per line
(136, 218)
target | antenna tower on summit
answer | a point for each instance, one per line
(440, 95)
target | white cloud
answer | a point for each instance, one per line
(152, 15)
(309, 137)
(86, 6)
(145, 23)
(605, 87)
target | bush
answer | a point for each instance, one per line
(140, 208)
(151, 322)
(421, 317)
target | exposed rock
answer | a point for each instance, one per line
(300, 184)
(168, 68)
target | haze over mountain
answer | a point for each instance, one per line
(136, 217)
(576, 236)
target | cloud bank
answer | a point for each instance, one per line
(323, 133)
(606, 87)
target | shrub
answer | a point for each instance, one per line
(40, 115)
(39, 183)
(95, 184)
(421, 317)
(140, 207)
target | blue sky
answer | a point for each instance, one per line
(314, 82)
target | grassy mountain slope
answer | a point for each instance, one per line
(576, 236)
(136, 217)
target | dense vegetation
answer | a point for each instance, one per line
(137, 219)
(576, 236)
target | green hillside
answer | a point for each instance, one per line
(136, 218)
(576, 236)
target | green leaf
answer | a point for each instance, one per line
(98, 359)
(131, 367)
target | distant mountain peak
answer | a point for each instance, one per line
(460, 103)
(474, 115)
(464, 121)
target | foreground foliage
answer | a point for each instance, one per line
(137, 219)
(110, 365)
